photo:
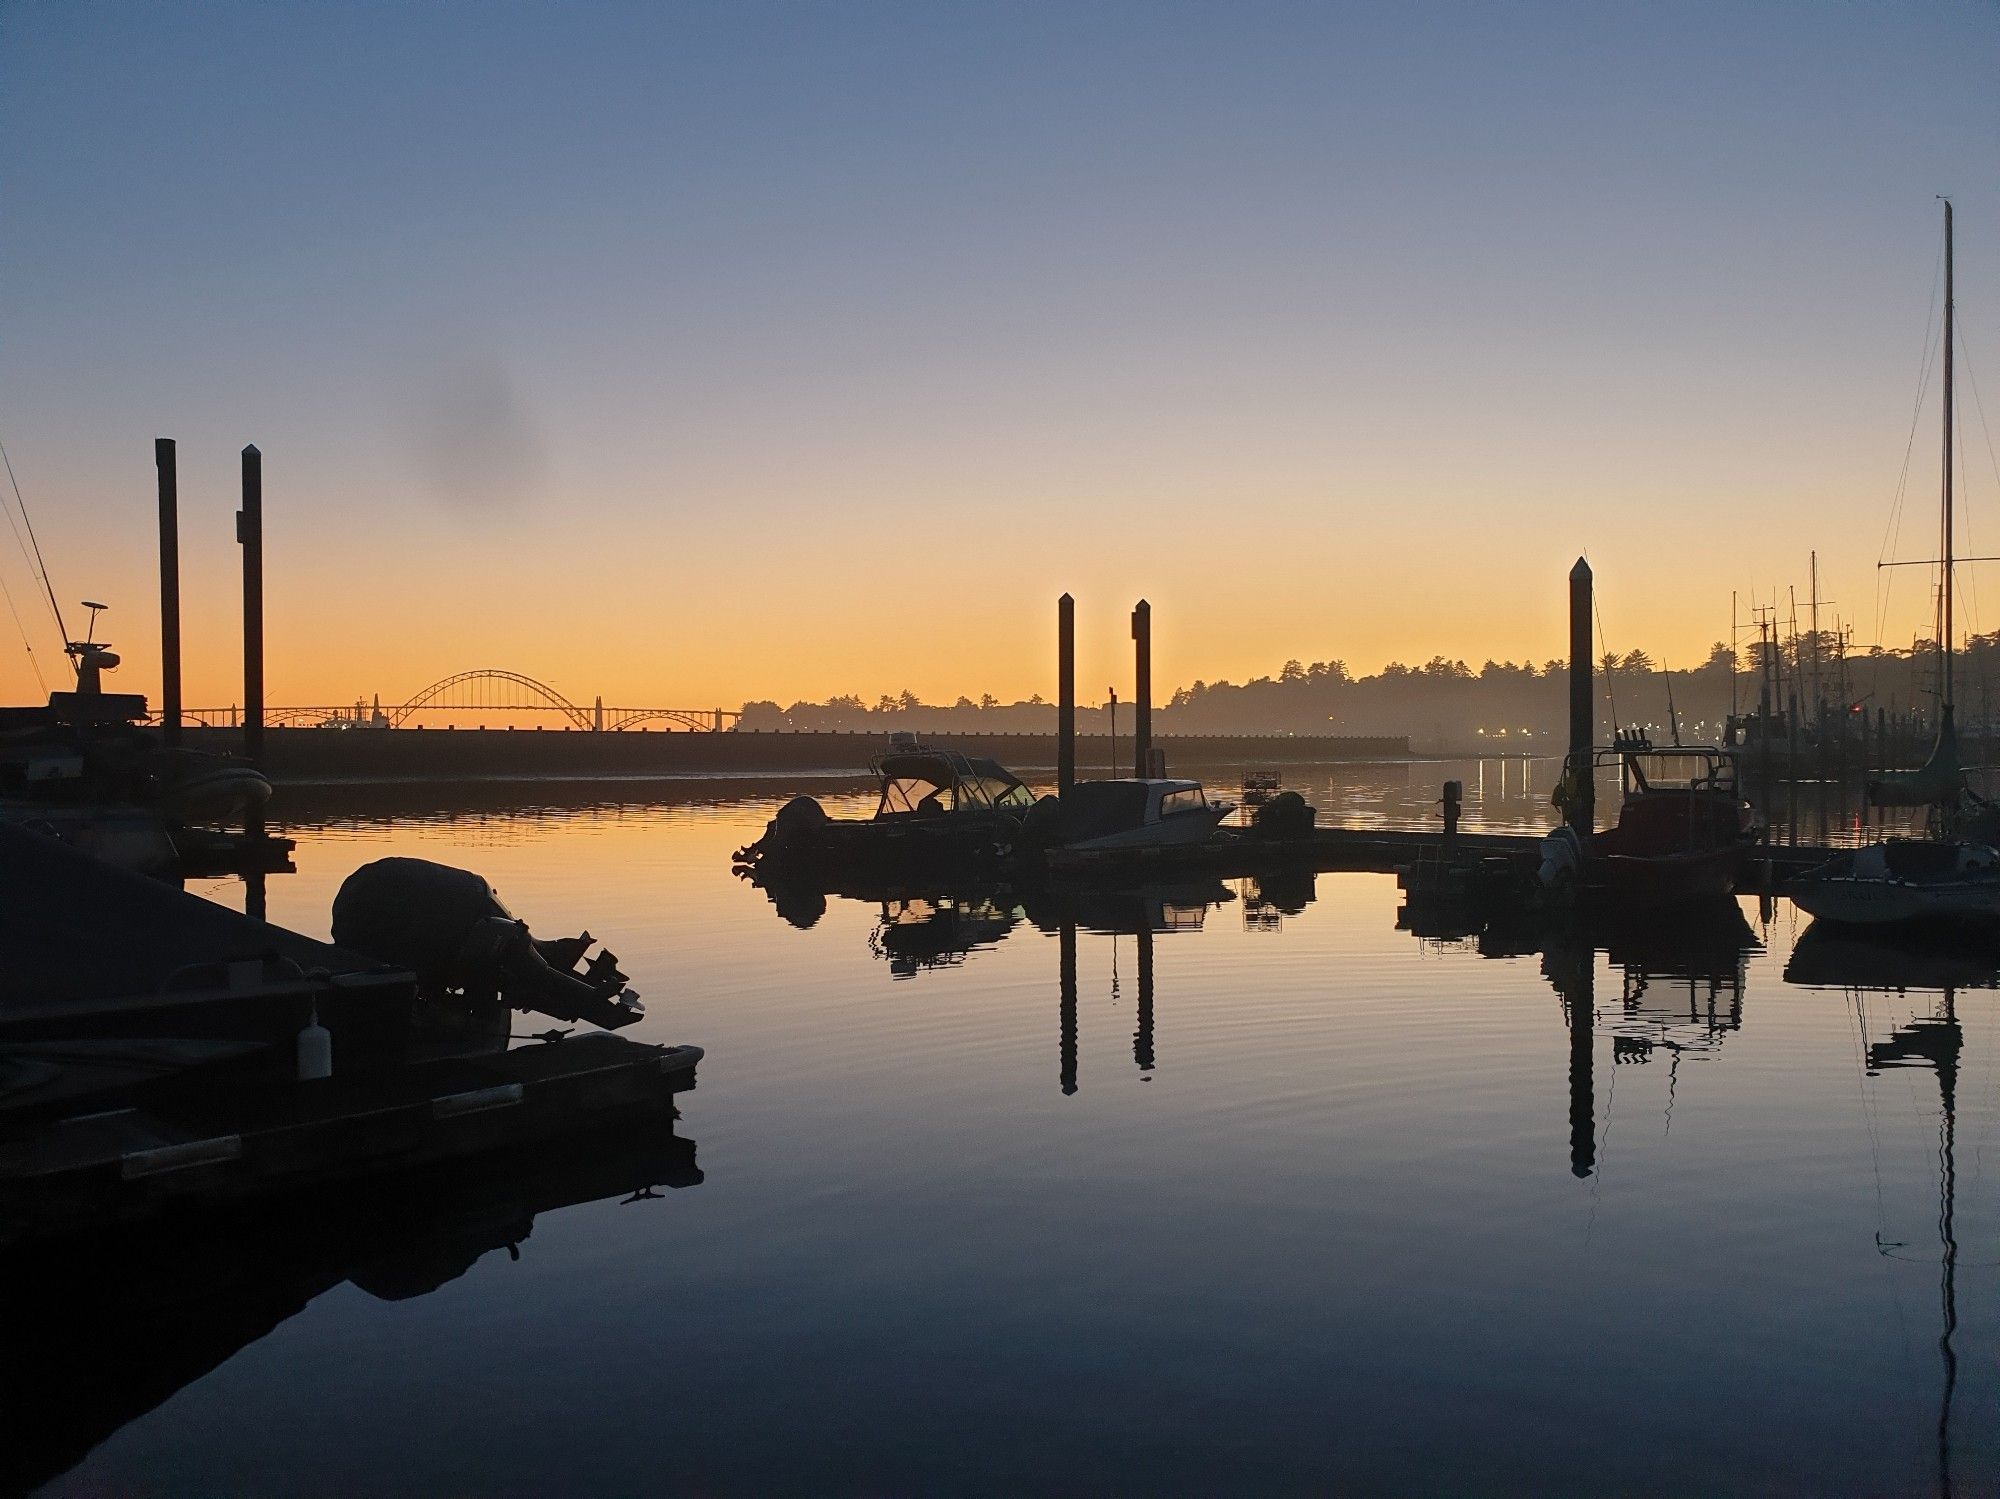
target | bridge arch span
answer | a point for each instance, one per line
(699, 720)
(490, 687)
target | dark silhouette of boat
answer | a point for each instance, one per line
(936, 809)
(82, 768)
(1681, 832)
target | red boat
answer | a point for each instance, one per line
(1681, 831)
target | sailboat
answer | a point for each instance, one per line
(1944, 874)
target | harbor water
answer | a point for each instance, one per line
(1278, 1194)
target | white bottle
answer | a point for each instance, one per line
(315, 1049)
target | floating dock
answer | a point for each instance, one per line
(155, 1048)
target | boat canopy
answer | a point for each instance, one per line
(931, 782)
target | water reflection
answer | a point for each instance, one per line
(1349, 1175)
(158, 1307)
(1937, 962)
(919, 932)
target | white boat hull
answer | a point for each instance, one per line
(1175, 831)
(1852, 902)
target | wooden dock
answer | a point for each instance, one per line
(1765, 868)
(152, 1052)
(215, 1147)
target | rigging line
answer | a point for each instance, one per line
(1603, 1140)
(27, 645)
(20, 541)
(1610, 692)
(22, 506)
(1855, 1009)
(1992, 457)
(1892, 532)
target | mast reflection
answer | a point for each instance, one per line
(1681, 975)
(1942, 961)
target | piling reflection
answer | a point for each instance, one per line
(169, 1302)
(1681, 975)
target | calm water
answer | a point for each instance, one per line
(1287, 1199)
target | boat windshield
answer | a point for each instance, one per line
(1657, 768)
(1185, 799)
(926, 782)
(911, 794)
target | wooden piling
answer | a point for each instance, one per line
(250, 533)
(1065, 694)
(167, 467)
(1142, 689)
(1582, 810)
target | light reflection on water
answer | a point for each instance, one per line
(1319, 1204)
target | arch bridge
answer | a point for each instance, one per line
(486, 689)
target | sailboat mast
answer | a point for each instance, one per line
(1950, 317)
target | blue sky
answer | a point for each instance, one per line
(666, 350)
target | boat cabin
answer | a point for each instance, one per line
(1134, 812)
(1676, 797)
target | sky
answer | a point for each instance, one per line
(687, 354)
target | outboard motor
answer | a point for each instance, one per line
(799, 824)
(1285, 815)
(1562, 861)
(448, 926)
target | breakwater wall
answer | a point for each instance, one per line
(295, 756)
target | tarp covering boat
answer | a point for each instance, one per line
(1938, 782)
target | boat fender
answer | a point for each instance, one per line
(315, 1048)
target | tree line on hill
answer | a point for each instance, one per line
(1448, 703)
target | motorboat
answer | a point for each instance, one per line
(1681, 830)
(934, 807)
(81, 768)
(1134, 816)
(1902, 880)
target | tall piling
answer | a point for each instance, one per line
(1582, 808)
(1065, 694)
(1142, 689)
(250, 533)
(166, 465)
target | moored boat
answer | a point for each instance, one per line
(1902, 880)
(1945, 875)
(1680, 835)
(1103, 821)
(935, 807)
